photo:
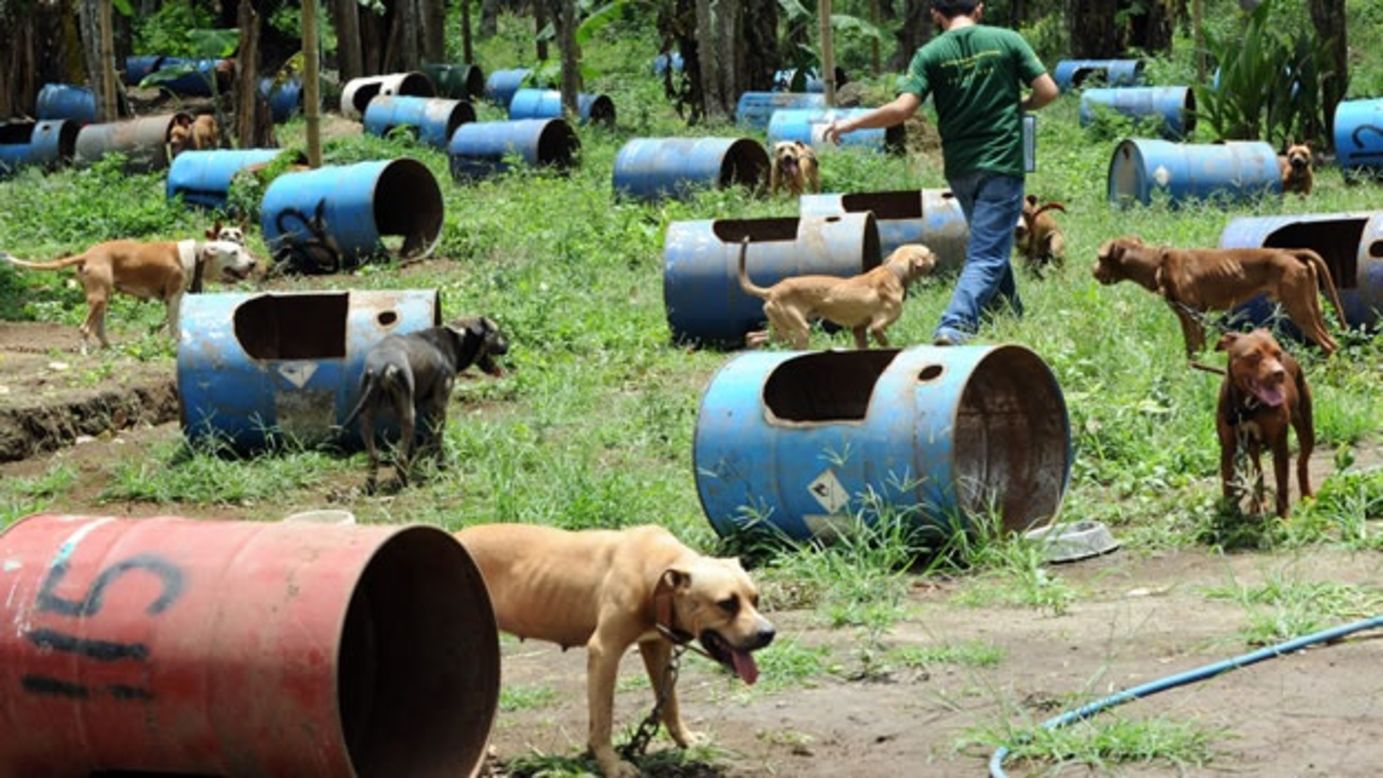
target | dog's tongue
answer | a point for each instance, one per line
(1271, 396)
(745, 666)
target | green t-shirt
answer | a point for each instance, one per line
(975, 74)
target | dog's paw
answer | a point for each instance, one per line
(687, 738)
(620, 769)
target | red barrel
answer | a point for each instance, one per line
(241, 649)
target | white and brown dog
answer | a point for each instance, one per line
(163, 271)
(794, 168)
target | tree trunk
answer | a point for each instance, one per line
(489, 17)
(915, 31)
(730, 41)
(1329, 19)
(434, 31)
(571, 67)
(540, 18)
(108, 96)
(1151, 28)
(408, 48)
(467, 55)
(828, 53)
(1018, 13)
(253, 125)
(1092, 28)
(374, 31)
(759, 44)
(712, 106)
(349, 60)
(98, 58)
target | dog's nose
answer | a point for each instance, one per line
(763, 637)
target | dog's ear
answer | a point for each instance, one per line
(673, 580)
(1031, 200)
(215, 231)
(1226, 340)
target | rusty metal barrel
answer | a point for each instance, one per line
(932, 217)
(651, 169)
(433, 119)
(143, 141)
(48, 145)
(358, 93)
(192, 647)
(458, 82)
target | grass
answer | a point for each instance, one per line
(20, 497)
(965, 653)
(1106, 741)
(520, 697)
(1285, 607)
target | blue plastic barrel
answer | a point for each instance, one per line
(1173, 106)
(662, 61)
(701, 264)
(197, 82)
(547, 104)
(941, 435)
(932, 217)
(65, 101)
(433, 119)
(260, 369)
(651, 169)
(1359, 134)
(358, 93)
(478, 149)
(754, 109)
(358, 204)
(458, 82)
(204, 177)
(502, 84)
(49, 144)
(808, 124)
(285, 100)
(805, 80)
(1233, 171)
(137, 67)
(1072, 73)
(1350, 243)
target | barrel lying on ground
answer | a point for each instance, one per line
(755, 109)
(651, 169)
(77, 103)
(1173, 107)
(808, 125)
(143, 141)
(938, 436)
(48, 144)
(478, 150)
(458, 82)
(1359, 135)
(139, 66)
(432, 119)
(285, 98)
(547, 104)
(198, 76)
(204, 177)
(175, 646)
(1232, 171)
(701, 264)
(932, 217)
(356, 97)
(1073, 73)
(502, 84)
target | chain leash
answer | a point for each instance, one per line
(638, 743)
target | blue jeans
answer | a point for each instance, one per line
(992, 203)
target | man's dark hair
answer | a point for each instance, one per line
(953, 8)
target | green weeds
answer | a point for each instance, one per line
(1106, 741)
(1285, 607)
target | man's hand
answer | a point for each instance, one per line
(836, 129)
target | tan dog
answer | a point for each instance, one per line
(1295, 167)
(1264, 391)
(1197, 280)
(794, 168)
(199, 134)
(162, 271)
(868, 303)
(1038, 237)
(609, 590)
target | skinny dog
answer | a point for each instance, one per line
(1295, 167)
(1038, 237)
(608, 590)
(867, 304)
(794, 168)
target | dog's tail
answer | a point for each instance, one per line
(1052, 206)
(56, 264)
(369, 386)
(745, 284)
(1326, 281)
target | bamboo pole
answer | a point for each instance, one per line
(109, 110)
(1198, 31)
(828, 54)
(467, 55)
(874, 42)
(312, 88)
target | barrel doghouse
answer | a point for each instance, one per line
(665, 60)
(1359, 135)
(349, 209)
(432, 119)
(1073, 73)
(1350, 243)
(255, 370)
(77, 103)
(652, 169)
(942, 435)
(477, 150)
(176, 646)
(805, 80)
(458, 82)
(502, 84)
(701, 265)
(547, 104)
(137, 67)
(1173, 107)
(755, 109)
(143, 141)
(285, 99)
(1231, 171)
(49, 145)
(204, 177)
(932, 217)
(808, 125)
(356, 97)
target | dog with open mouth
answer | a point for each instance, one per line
(794, 168)
(609, 590)
(1295, 167)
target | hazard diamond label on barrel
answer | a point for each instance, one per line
(827, 491)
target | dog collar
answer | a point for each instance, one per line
(198, 266)
(1239, 411)
(662, 619)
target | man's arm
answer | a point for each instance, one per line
(1043, 92)
(887, 115)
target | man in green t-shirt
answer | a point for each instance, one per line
(975, 75)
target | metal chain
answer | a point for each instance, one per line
(638, 743)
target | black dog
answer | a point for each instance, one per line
(413, 374)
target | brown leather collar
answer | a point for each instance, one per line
(663, 617)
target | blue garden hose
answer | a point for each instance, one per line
(996, 762)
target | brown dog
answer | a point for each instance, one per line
(1263, 392)
(1295, 167)
(608, 590)
(868, 303)
(1197, 280)
(794, 168)
(199, 134)
(162, 271)
(1038, 237)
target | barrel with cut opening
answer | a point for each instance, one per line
(255, 370)
(808, 125)
(1351, 245)
(1072, 73)
(199, 75)
(478, 149)
(701, 267)
(285, 99)
(433, 119)
(1232, 171)
(755, 109)
(352, 207)
(48, 145)
(1359, 134)
(547, 104)
(932, 217)
(502, 84)
(651, 169)
(458, 82)
(356, 97)
(940, 435)
(137, 67)
(805, 80)
(143, 141)
(1174, 107)
(175, 646)
(204, 177)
